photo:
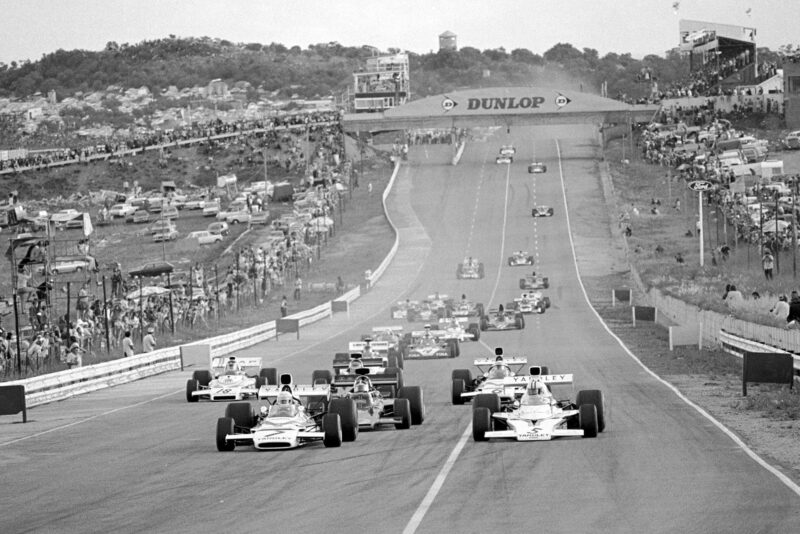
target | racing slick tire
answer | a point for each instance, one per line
(458, 273)
(546, 282)
(411, 316)
(481, 423)
(241, 413)
(453, 348)
(348, 414)
(271, 374)
(481, 272)
(225, 426)
(456, 390)
(413, 394)
(260, 381)
(192, 385)
(530, 260)
(341, 358)
(522, 283)
(322, 376)
(402, 411)
(487, 400)
(484, 323)
(475, 330)
(332, 428)
(520, 321)
(545, 370)
(203, 377)
(463, 374)
(546, 301)
(479, 309)
(587, 414)
(395, 359)
(594, 396)
(397, 372)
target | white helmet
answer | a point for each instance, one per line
(284, 397)
(537, 387)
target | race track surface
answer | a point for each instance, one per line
(139, 458)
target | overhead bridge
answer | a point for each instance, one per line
(501, 106)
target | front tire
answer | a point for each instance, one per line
(203, 377)
(413, 394)
(588, 420)
(241, 413)
(487, 400)
(594, 397)
(191, 386)
(481, 423)
(225, 426)
(348, 414)
(332, 428)
(271, 374)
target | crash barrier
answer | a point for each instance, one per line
(12, 401)
(739, 346)
(177, 143)
(459, 152)
(644, 313)
(321, 287)
(378, 272)
(621, 295)
(767, 367)
(65, 384)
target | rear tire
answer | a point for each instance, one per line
(348, 414)
(260, 381)
(271, 374)
(545, 370)
(225, 426)
(402, 410)
(191, 386)
(481, 423)
(487, 400)
(332, 428)
(203, 377)
(475, 330)
(484, 323)
(399, 373)
(595, 397)
(241, 413)
(321, 376)
(413, 394)
(456, 390)
(588, 420)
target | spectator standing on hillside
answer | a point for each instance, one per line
(284, 307)
(127, 345)
(768, 262)
(298, 285)
(733, 296)
(793, 317)
(781, 308)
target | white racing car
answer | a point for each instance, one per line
(507, 150)
(231, 378)
(530, 302)
(499, 375)
(536, 414)
(520, 257)
(293, 417)
(504, 160)
(459, 328)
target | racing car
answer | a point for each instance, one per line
(507, 150)
(459, 328)
(502, 319)
(534, 281)
(373, 354)
(392, 335)
(499, 375)
(537, 167)
(427, 344)
(467, 308)
(415, 310)
(537, 415)
(520, 257)
(470, 268)
(504, 159)
(292, 417)
(533, 302)
(230, 379)
(375, 409)
(542, 211)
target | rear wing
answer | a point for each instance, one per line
(250, 365)
(550, 380)
(460, 320)
(304, 393)
(507, 361)
(379, 379)
(379, 329)
(433, 333)
(342, 360)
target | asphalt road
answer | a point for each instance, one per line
(138, 458)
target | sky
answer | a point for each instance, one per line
(31, 28)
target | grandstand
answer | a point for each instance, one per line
(382, 84)
(722, 55)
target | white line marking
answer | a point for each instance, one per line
(763, 463)
(96, 416)
(438, 482)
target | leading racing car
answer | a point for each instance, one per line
(537, 167)
(293, 417)
(500, 375)
(537, 415)
(542, 211)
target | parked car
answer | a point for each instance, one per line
(160, 226)
(211, 209)
(204, 237)
(169, 212)
(167, 234)
(121, 210)
(260, 218)
(138, 216)
(220, 228)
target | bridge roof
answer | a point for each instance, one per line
(502, 106)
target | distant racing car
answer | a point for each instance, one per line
(542, 211)
(504, 160)
(467, 308)
(500, 375)
(507, 150)
(520, 257)
(231, 378)
(375, 409)
(534, 281)
(502, 319)
(530, 302)
(537, 167)
(470, 268)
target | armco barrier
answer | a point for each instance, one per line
(737, 346)
(65, 384)
(378, 272)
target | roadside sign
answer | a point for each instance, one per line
(700, 185)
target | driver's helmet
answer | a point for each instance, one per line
(231, 366)
(463, 296)
(284, 397)
(499, 371)
(536, 387)
(535, 394)
(501, 308)
(361, 387)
